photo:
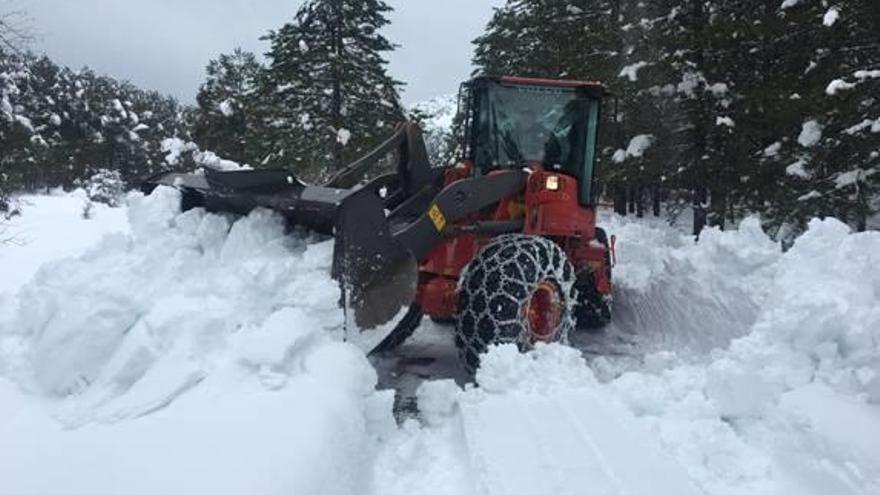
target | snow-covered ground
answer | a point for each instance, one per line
(197, 353)
(52, 227)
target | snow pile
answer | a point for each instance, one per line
(727, 121)
(797, 169)
(784, 402)
(178, 151)
(429, 458)
(631, 72)
(773, 149)
(837, 86)
(208, 350)
(783, 399)
(767, 413)
(830, 17)
(544, 406)
(343, 136)
(636, 148)
(811, 134)
(723, 279)
(227, 108)
(822, 317)
(212, 160)
(176, 148)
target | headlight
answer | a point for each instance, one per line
(552, 183)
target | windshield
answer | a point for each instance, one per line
(518, 125)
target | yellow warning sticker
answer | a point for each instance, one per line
(437, 218)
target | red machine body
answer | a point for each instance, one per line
(552, 212)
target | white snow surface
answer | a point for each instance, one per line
(631, 71)
(227, 108)
(811, 134)
(797, 169)
(837, 86)
(773, 150)
(192, 355)
(51, 227)
(636, 148)
(867, 74)
(196, 353)
(831, 17)
(726, 121)
(789, 402)
(174, 148)
(212, 160)
(343, 136)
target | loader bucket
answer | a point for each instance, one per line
(378, 275)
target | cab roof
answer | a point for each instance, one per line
(591, 86)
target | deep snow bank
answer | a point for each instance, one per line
(793, 402)
(195, 355)
(674, 294)
(781, 397)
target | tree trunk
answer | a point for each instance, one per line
(862, 210)
(699, 209)
(620, 199)
(717, 208)
(655, 198)
(336, 102)
(640, 201)
(631, 198)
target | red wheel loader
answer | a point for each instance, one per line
(504, 244)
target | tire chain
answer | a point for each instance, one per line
(497, 284)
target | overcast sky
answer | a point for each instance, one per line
(165, 44)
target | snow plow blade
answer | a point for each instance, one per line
(240, 192)
(377, 273)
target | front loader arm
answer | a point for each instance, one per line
(413, 165)
(376, 256)
(455, 202)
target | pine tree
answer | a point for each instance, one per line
(572, 39)
(327, 95)
(833, 162)
(59, 127)
(224, 119)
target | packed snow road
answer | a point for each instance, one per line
(196, 353)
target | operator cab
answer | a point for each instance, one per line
(517, 122)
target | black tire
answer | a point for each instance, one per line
(404, 330)
(497, 287)
(593, 311)
(443, 321)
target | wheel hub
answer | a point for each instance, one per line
(543, 312)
